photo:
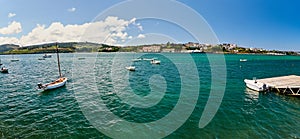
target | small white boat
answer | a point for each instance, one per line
(255, 85)
(56, 84)
(137, 59)
(130, 68)
(243, 60)
(153, 61)
(197, 51)
(148, 59)
(47, 56)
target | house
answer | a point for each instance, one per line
(151, 49)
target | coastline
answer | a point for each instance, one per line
(190, 47)
(224, 53)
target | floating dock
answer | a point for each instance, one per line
(287, 85)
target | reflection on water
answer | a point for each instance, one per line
(251, 102)
(251, 95)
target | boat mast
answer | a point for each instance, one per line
(58, 63)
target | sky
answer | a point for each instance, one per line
(264, 24)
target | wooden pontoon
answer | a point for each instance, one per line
(287, 85)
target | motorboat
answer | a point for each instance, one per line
(255, 85)
(41, 58)
(137, 59)
(153, 61)
(130, 68)
(47, 56)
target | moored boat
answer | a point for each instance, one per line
(137, 59)
(47, 56)
(4, 70)
(13, 59)
(41, 58)
(56, 84)
(153, 61)
(61, 81)
(130, 68)
(255, 85)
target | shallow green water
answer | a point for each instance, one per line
(27, 113)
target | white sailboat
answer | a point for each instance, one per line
(61, 81)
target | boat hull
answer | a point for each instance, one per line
(131, 68)
(155, 62)
(14, 60)
(56, 84)
(256, 86)
(4, 70)
(47, 56)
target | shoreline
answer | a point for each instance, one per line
(224, 53)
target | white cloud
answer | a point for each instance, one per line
(10, 15)
(72, 9)
(111, 30)
(12, 28)
(9, 40)
(141, 36)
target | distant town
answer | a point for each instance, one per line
(190, 47)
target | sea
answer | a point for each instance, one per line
(102, 99)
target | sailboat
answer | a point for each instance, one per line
(61, 81)
(0, 63)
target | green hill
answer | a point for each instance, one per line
(66, 47)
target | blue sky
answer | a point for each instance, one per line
(265, 24)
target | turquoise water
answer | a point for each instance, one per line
(29, 113)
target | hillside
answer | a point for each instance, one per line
(8, 47)
(66, 47)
